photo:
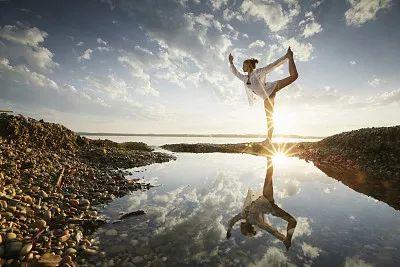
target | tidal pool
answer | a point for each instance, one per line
(187, 216)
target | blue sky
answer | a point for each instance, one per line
(161, 66)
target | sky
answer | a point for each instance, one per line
(162, 66)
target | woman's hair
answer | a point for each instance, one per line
(247, 229)
(252, 61)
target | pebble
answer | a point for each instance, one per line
(32, 155)
(71, 251)
(26, 249)
(111, 232)
(40, 224)
(12, 249)
(137, 259)
(10, 236)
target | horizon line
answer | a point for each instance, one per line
(199, 135)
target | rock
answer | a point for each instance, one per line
(50, 260)
(26, 249)
(111, 232)
(43, 194)
(74, 202)
(10, 236)
(85, 202)
(40, 224)
(70, 251)
(137, 259)
(12, 249)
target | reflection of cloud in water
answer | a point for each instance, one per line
(310, 251)
(303, 227)
(188, 225)
(273, 257)
(289, 189)
(356, 262)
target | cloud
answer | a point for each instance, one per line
(23, 45)
(302, 51)
(356, 262)
(273, 257)
(257, 43)
(142, 79)
(101, 41)
(86, 55)
(353, 62)
(310, 251)
(362, 11)
(23, 35)
(375, 82)
(275, 16)
(311, 26)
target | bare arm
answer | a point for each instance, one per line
(234, 70)
(273, 65)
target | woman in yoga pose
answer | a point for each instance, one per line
(256, 84)
(256, 205)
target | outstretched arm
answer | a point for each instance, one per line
(273, 65)
(232, 222)
(234, 70)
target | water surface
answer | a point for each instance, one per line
(187, 215)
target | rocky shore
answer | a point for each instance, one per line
(51, 181)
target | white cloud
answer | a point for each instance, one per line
(311, 29)
(356, 262)
(23, 35)
(301, 51)
(86, 55)
(375, 82)
(361, 11)
(101, 41)
(275, 16)
(217, 4)
(273, 257)
(310, 251)
(142, 79)
(25, 43)
(353, 62)
(257, 43)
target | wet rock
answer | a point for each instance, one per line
(10, 236)
(137, 259)
(111, 232)
(26, 249)
(12, 249)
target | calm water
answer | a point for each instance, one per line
(187, 215)
(162, 140)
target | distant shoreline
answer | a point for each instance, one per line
(202, 135)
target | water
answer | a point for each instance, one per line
(188, 212)
(162, 140)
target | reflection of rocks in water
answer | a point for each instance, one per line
(387, 191)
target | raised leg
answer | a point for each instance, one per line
(290, 79)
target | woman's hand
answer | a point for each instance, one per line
(289, 53)
(230, 58)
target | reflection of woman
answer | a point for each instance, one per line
(256, 85)
(256, 206)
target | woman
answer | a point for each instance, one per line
(256, 84)
(256, 206)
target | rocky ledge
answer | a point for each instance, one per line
(51, 181)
